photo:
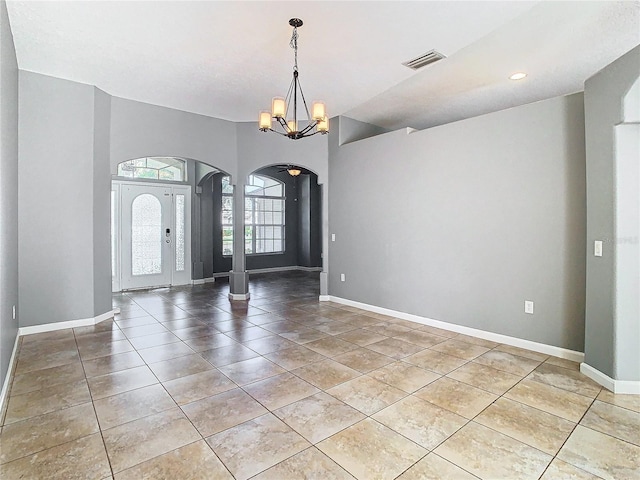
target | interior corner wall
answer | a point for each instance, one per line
(56, 197)
(309, 218)
(350, 130)
(8, 192)
(203, 226)
(101, 204)
(604, 99)
(464, 222)
(304, 220)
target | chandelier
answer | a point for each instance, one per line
(288, 122)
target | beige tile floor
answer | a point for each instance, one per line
(185, 385)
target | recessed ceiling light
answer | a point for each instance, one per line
(518, 76)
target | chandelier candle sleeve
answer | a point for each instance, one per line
(318, 111)
(278, 107)
(265, 120)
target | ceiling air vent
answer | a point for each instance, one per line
(423, 60)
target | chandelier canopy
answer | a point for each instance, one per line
(284, 110)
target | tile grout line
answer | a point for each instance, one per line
(181, 411)
(238, 316)
(95, 412)
(569, 436)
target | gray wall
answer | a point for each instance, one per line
(604, 95)
(143, 130)
(64, 201)
(464, 222)
(101, 204)
(8, 192)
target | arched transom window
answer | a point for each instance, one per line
(154, 168)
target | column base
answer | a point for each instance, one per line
(238, 285)
(239, 296)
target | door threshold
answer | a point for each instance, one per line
(136, 289)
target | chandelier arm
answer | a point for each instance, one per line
(287, 99)
(304, 100)
(309, 127)
(310, 134)
(279, 133)
(295, 98)
(283, 123)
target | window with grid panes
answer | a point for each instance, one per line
(154, 168)
(264, 216)
(227, 217)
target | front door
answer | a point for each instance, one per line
(154, 231)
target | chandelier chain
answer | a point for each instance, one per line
(294, 44)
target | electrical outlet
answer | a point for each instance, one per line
(528, 307)
(597, 248)
(342, 277)
(333, 237)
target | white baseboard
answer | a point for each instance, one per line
(324, 298)
(285, 269)
(47, 327)
(616, 386)
(83, 322)
(239, 296)
(7, 379)
(494, 337)
(212, 278)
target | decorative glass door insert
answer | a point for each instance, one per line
(154, 227)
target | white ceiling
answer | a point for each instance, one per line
(227, 59)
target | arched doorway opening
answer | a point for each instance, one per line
(283, 231)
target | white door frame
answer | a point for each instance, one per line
(182, 277)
